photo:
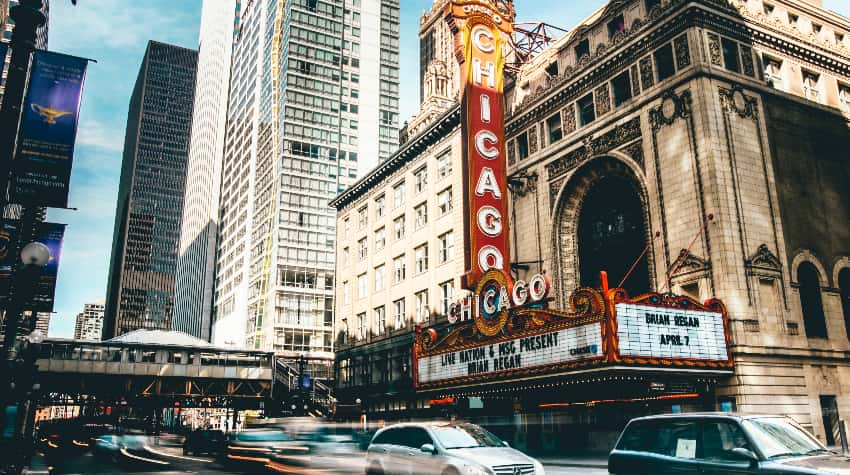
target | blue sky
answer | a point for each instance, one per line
(115, 33)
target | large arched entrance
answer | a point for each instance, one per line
(601, 223)
(612, 234)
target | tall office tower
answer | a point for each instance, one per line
(89, 324)
(42, 322)
(301, 127)
(150, 194)
(193, 297)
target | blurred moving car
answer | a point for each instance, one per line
(445, 448)
(721, 443)
(328, 448)
(251, 449)
(203, 441)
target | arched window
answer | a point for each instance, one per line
(844, 285)
(612, 234)
(810, 300)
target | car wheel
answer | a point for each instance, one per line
(451, 471)
(374, 470)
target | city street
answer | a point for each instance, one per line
(163, 457)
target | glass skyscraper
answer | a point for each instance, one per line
(150, 194)
(313, 105)
(194, 289)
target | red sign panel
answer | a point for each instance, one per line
(478, 28)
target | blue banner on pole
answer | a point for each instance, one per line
(42, 165)
(49, 234)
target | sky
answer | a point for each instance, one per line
(115, 33)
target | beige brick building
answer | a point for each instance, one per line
(709, 137)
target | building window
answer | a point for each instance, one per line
(553, 125)
(773, 71)
(444, 201)
(617, 25)
(582, 49)
(346, 228)
(816, 29)
(664, 62)
(346, 293)
(444, 164)
(731, 58)
(552, 69)
(362, 217)
(361, 326)
(844, 288)
(650, 4)
(793, 19)
(522, 145)
(844, 95)
(398, 228)
(399, 269)
(362, 286)
(380, 320)
(447, 247)
(346, 256)
(586, 110)
(422, 312)
(446, 294)
(345, 331)
(398, 195)
(421, 258)
(420, 180)
(362, 249)
(810, 300)
(380, 277)
(768, 9)
(622, 86)
(810, 85)
(839, 38)
(421, 213)
(380, 238)
(379, 207)
(399, 320)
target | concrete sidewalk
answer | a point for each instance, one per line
(581, 461)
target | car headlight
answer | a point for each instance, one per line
(476, 470)
(538, 468)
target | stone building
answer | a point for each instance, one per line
(690, 147)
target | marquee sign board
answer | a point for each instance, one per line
(480, 28)
(652, 330)
(656, 332)
(536, 351)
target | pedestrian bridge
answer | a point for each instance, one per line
(155, 364)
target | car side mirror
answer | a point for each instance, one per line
(745, 454)
(505, 443)
(428, 449)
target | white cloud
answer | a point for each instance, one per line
(95, 133)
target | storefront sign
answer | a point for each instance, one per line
(42, 165)
(563, 346)
(495, 295)
(658, 332)
(478, 27)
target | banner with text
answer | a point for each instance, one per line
(42, 165)
(49, 234)
(675, 333)
(562, 346)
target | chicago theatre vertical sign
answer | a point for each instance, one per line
(480, 29)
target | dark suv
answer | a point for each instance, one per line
(721, 443)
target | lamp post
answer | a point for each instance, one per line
(28, 17)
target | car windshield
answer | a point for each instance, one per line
(779, 437)
(465, 437)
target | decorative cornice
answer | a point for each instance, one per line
(690, 263)
(410, 150)
(764, 260)
(593, 146)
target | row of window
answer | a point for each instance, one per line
(793, 19)
(399, 319)
(446, 245)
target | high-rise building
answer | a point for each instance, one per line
(193, 297)
(150, 194)
(301, 127)
(89, 324)
(42, 322)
